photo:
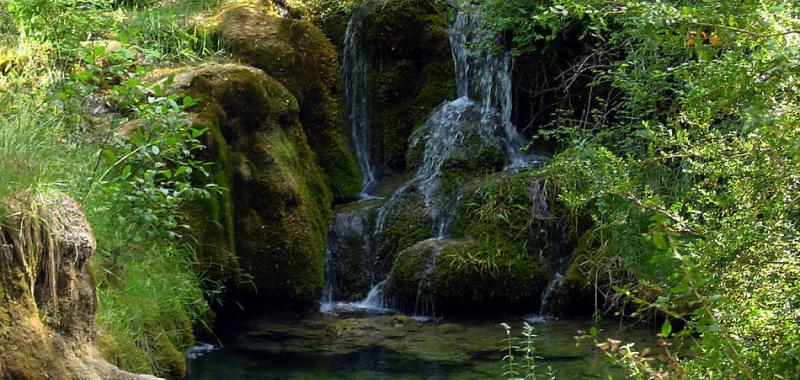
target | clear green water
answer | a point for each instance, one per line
(316, 346)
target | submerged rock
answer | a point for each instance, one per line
(48, 304)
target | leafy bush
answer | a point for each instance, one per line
(687, 166)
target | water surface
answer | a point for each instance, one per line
(363, 346)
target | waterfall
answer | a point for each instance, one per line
(355, 72)
(486, 77)
(545, 310)
(424, 305)
(439, 137)
(483, 109)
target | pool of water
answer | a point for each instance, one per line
(367, 346)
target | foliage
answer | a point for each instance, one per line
(130, 162)
(520, 355)
(687, 166)
(168, 32)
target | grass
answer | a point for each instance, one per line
(150, 299)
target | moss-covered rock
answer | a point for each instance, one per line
(299, 56)
(280, 203)
(410, 67)
(412, 71)
(461, 141)
(401, 223)
(521, 211)
(439, 276)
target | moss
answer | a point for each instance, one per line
(300, 57)
(279, 199)
(450, 275)
(509, 207)
(406, 223)
(411, 67)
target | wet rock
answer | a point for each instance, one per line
(440, 276)
(352, 261)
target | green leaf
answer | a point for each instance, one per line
(666, 328)
(659, 241)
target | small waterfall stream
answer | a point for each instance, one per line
(355, 72)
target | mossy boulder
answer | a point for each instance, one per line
(434, 277)
(277, 206)
(403, 221)
(511, 207)
(299, 56)
(462, 141)
(521, 210)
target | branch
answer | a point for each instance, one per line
(745, 31)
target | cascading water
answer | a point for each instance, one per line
(545, 310)
(440, 136)
(355, 66)
(355, 72)
(482, 111)
(486, 76)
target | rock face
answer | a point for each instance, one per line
(409, 64)
(352, 263)
(299, 56)
(48, 302)
(272, 221)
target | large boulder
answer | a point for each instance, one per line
(299, 56)
(47, 298)
(274, 215)
(456, 145)
(434, 277)
(505, 244)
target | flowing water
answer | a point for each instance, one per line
(483, 108)
(355, 72)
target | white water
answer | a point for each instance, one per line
(545, 310)
(374, 302)
(355, 73)
(487, 77)
(199, 350)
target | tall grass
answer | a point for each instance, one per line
(149, 296)
(173, 30)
